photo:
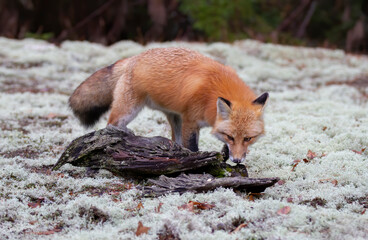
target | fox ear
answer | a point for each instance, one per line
(261, 100)
(223, 108)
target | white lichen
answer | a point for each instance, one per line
(311, 107)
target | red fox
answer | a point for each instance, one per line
(192, 90)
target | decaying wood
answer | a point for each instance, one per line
(205, 182)
(127, 155)
(123, 153)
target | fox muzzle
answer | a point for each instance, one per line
(237, 160)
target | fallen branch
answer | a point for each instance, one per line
(123, 153)
(205, 182)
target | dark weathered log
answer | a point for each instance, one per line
(125, 154)
(205, 182)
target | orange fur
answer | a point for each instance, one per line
(185, 85)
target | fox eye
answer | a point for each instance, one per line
(229, 137)
(247, 139)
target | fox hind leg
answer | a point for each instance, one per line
(125, 106)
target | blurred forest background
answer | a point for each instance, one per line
(326, 23)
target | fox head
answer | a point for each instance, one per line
(238, 124)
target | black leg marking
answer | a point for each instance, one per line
(225, 152)
(193, 142)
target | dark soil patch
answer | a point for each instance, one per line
(28, 89)
(25, 152)
(52, 120)
(359, 83)
(111, 189)
(361, 201)
(19, 65)
(21, 85)
(7, 127)
(315, 202)
(167, 234)
(44, 169)
(93, 214)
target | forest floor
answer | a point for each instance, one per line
(316, 133)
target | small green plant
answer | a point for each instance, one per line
(222, 20)
(42, 36)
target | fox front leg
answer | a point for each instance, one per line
(225, 152)
(176, 127)
(190, 134)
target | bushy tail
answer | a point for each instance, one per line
(93, 97)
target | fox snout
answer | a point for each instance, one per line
(228, 154)
(237, 157)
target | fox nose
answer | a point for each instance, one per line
(236, 160)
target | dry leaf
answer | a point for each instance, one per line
(311, 155)
(359, 152)
(196, 206)
(334, 182)
(141, 229)
(188, 206)
(294, 166)
(55, 115)
(51, 115)
(204, 206)
(129, 186)
(363, 211)
(284, 210)
(250, 197)
(60, 175)
(289, 199)
(139, 206)
(49, 232)
(158, 208)
(34, 205)
(237, 229)
(281, 182)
